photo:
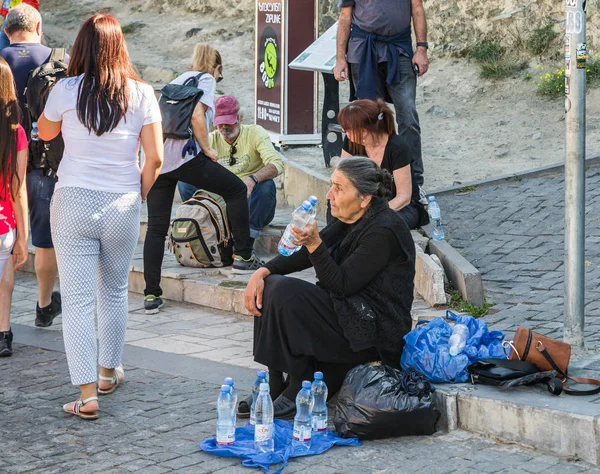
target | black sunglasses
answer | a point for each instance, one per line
(220, 78)
(232, 159)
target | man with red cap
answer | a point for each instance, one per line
(246, 151)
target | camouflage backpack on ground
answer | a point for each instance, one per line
(200, 235)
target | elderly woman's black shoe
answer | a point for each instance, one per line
(283, 408)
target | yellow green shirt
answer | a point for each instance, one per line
(254, 151)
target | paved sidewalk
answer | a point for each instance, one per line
(154, 422)
(514, 234)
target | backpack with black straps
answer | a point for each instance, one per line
(200, 235)
(177, 103)
(39, 83)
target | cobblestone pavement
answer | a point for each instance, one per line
(154, 422)
(514, 234)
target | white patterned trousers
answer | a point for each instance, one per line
(95, 234)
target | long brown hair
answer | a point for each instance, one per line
(374, 117)
(10, 116)
(100, 54)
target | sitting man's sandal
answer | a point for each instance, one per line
(75, 409)
(115, 380)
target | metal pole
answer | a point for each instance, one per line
(575, 75)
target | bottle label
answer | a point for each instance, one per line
(302, 433)
(226, 438)
(319, 425)
(262, 433)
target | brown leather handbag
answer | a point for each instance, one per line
(548, 354)
(527, 346)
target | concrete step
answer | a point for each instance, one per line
(562, 425)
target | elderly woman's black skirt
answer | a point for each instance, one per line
(299, 328)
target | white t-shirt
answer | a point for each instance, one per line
(103, 163)
(173, 147)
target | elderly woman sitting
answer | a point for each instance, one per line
(358, 312)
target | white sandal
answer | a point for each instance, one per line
(75, 409)
(116, 380)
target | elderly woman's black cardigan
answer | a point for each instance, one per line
(372, 297)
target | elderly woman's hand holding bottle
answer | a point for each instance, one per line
(308, 236)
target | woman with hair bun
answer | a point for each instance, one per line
(371, 132)
(358, 312)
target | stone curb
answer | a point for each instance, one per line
(461, 273)
(562, 426)
(534, 173)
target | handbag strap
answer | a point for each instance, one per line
(577, 380)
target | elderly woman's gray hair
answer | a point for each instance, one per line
(23, 17)
(368, 178)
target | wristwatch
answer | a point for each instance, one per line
(254, 178)
(425, 44)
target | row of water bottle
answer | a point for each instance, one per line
(300, 217)
(311, 413)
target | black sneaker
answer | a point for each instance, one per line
(152, 304)
(241, 265)
(6, 338)
(45, 316)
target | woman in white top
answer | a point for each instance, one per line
(103, 111)
(197, 164)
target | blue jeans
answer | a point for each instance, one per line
(40, 189)
(403, 96)
(261, 204)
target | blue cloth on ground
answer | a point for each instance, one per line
(427, 348)
(283, 430)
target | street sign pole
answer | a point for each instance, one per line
(575, 75)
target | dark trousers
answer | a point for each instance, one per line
(403, 96)
(202, 173)
(299, 329)
(261, 204)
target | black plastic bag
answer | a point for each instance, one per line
(378, 401)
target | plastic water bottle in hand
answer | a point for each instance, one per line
(458, 340)
(313, 202)
(234, 394)
(303, 419)
(226, 417)
(263, 429)
(435, 218)
(35, 134)
(313, 212)
(300, 217)
(261, 377)
(319, 414)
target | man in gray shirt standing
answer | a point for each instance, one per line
(374, 45)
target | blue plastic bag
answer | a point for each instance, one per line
(283, 430)
(427, 348)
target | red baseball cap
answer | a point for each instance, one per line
(226, 110)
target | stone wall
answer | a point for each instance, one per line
(454, 25)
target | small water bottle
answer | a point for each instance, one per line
(35, 134)
(234, 394)
(300, 217)
(458, 340)
(261, 377)
(435, 217)
(303, 419)
(319, 414)
(263, 429)
(226, 417)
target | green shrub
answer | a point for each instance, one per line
(552, 84)
(131, 28)
(541, 38)
(487, 51)
(498, 69)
